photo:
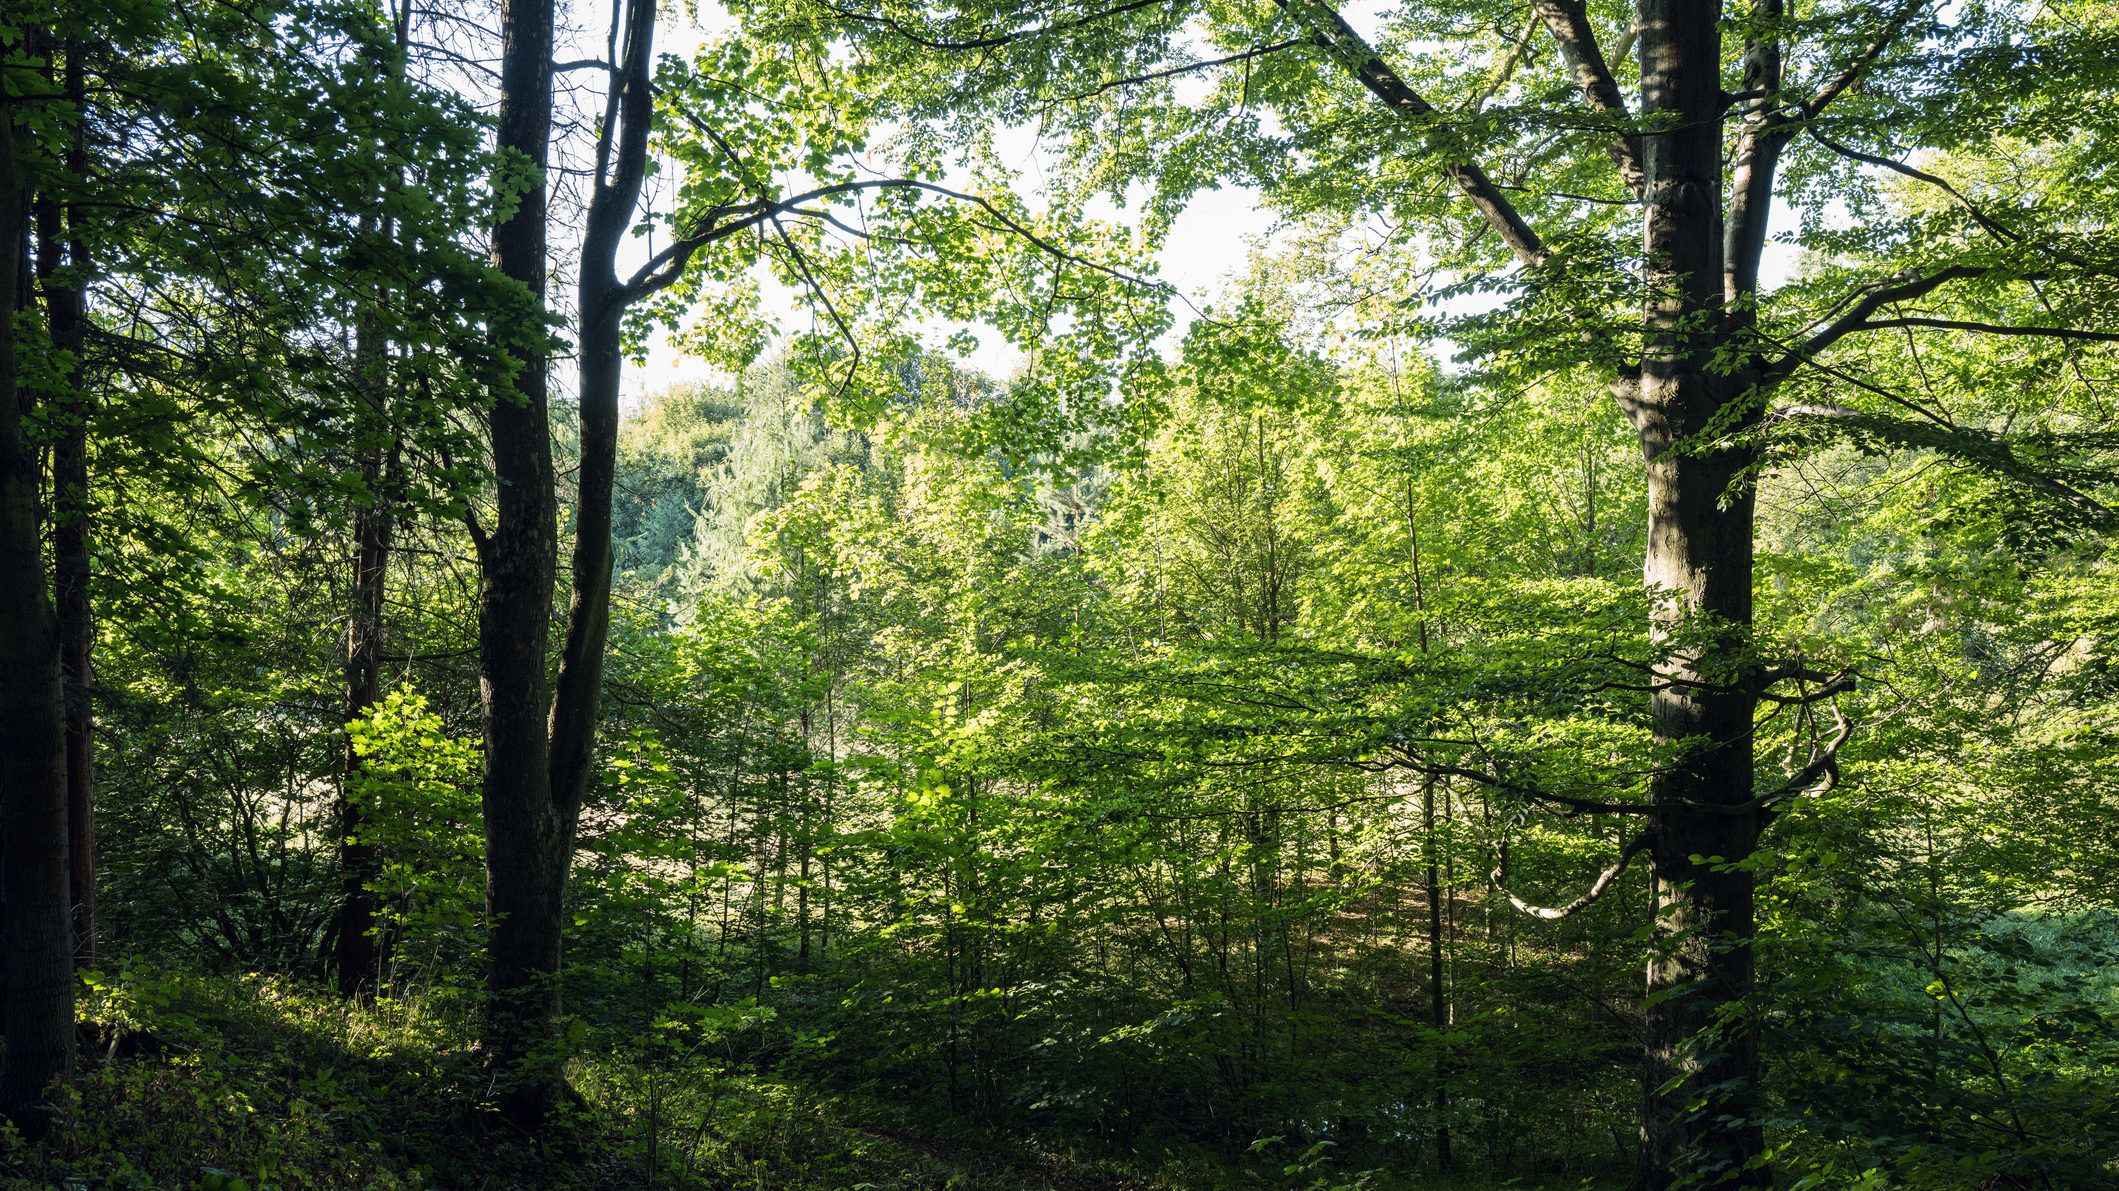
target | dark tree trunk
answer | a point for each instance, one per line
(537, 768)
(526, 840)
(1701, 1116)
(621, 169)
(38, 934)
(66, 312)
(359, 959)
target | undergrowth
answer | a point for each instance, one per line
(251, 1083)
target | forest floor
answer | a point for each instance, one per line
(247, 1084)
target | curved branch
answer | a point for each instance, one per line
(1597, 888)
(1894, 25)
(1902, 288)
(666, 266)
(1813, 780)
(1181, 69)
(990, 41)
(1568, 803)
(1994, 227)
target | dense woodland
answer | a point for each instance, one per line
(1588, 661)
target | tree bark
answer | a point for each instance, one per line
(66, 312)
(539, 750)
(39, 982)
(359, 959)
(1701, 1112)
(527, 842)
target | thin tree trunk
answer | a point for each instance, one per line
(359, 960)
(39, 985)
(66, 309)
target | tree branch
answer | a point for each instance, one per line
(1568, 21)
(1902, 288)
(1597, 888)
(666, 266)
(1339, 39)
(1186, 68)
(1838, 86)
(1995, 227)
(988, 41)
(1951, 324)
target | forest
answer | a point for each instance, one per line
(1059, 594)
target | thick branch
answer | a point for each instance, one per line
(1367, 66)
(1766, 131)
(1568, 21)
(1815, 779)
(1759, 141)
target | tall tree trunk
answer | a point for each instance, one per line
(39, 982)
(527, 839)
(621, 170)
(538, 749)
(359, 958)
(67, 313)
(1701, 1119)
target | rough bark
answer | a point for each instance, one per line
(526, 841)
(1701, 1119)
(38, 934)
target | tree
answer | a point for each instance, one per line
(39, 991)
(540, 742)
(1619, 241)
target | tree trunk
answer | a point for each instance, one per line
(359, 959)
(39, 983)
(527, 841)
(67, 314)
(538, 749)
(1701, 1113)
